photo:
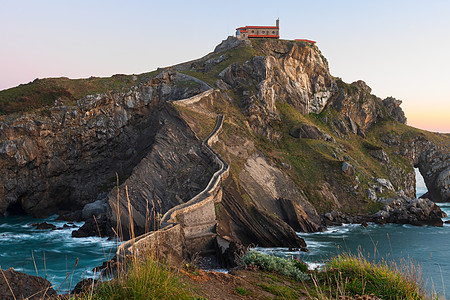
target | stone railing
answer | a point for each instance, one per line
(188, 228)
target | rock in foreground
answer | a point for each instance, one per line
(24, 286)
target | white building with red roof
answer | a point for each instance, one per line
(249, 32)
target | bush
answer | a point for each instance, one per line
(274, 264)
(301, 265)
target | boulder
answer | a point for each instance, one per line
(84, 286)
(404, 210)
(307, 132)
(100, 226)
(93, 209)
(24, 286)
(380, 155)
(385, 183)
(348, 168)
(371, 194)
(44, 225)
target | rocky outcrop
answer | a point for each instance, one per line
(359, 109)
(273, 191)
(432, 159)
(228, 44)
(404, 210)
(307, 132)
(24, 286)
(59, 159)
(249, 225)
(291, 72)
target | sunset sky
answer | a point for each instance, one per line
(399, 48)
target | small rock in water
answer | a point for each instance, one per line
(44, 225)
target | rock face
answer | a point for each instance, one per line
(294, 73)
(433, 161)
(59, 162)
(275, 192)
(405, 210)
(254, 226)
(24, 286)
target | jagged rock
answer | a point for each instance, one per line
(393, 106)
(100, 226)
(404, 210)
(274, 191)
(24, 286)
(84, 286)
(229, 253)
(307, 132)
(93, 209)
(355, 102)
(279, 78)
(352, 125)
(340, 125)
(371, 195)
(44, 225)
(230, 43)
(385, 183)
(380, 155)
(58, 163)
(348, 168)
(252, 226)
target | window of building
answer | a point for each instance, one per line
(263, 32)
(273, 32)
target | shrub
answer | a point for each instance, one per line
(273, 264)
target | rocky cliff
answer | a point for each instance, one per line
(57, 160)
(301, 144)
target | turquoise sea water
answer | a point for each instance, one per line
(50, 253)
(427, 246)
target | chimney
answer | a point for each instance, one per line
(278, 22)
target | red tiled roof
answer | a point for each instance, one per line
(258, 27)
(304, 40)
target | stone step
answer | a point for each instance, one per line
(207, 227)
(201, 243)
(201, 235)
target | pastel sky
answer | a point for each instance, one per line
(399, 48)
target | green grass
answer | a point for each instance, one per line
(348, 275)
(237, 55)
(144, 280)
(43, 92)
(242, 291)
(282, 291)
(343, 275)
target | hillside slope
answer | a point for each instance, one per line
(306, 150)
